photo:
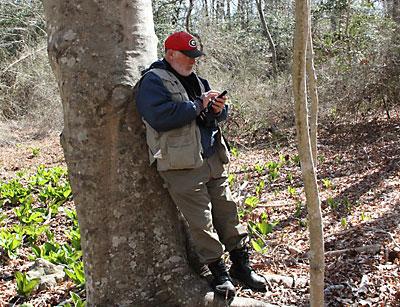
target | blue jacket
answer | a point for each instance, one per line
(156, 107)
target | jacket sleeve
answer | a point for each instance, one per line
(223, 115)
(155, 105)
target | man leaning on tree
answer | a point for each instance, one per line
(186, 144)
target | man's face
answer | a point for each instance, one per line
(181, 63)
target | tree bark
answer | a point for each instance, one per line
(396, 11)
(133, 247)
(212, 11)
(313, 92)
(268, 35)
(241, 13)
(188, 14)
(228, 14)
(306, 158)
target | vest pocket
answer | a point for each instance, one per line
(181, 152)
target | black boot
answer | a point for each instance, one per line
(242, 270)
(222, 283)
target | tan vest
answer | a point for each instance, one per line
(178, 148)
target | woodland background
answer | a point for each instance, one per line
(357, 52)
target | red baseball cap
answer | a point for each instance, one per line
(184, 42)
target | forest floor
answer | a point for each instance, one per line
(359, 181)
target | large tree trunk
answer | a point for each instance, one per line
(301, 37)
(133, 247)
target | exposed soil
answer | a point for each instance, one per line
(359, 180)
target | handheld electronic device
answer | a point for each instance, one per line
(210, 104)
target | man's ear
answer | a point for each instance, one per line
(169, 54)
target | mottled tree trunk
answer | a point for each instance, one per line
(133, 247)
(317, 261)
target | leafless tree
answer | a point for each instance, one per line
(302, 41)
(268, 35)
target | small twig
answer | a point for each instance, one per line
(375, 248)
(21, 59)
(385, 232)
(274, 204)
(276, 247)
(18, 299)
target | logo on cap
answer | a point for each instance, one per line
(192, 43)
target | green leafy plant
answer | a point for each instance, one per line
(252, 201)
(76, 273)
(343, 222)
(9, 242)
(57, 253)
(327, 183)
(231, 179)
(332, 203)
(45, 176)
(71, 214)
(259, 168)
(347, 204)
(30, 232)
(26, 214)
(13, 192)
(77, 301)
(35, 151)
(262, 227)
(260, 187)
(364, 216)
(45, 251)
(303, 222)
(20, 174)
(289, 176)
(283, 159)
(338, 159)
(299, 209)
(75, 237)
(292, 191)
(234, 152)
(258, 231)
(273, 170)
(57, 194)
(296, 160)
(3, 217)
(258, 245)
(25, 285)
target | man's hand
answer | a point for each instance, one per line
(218, 104)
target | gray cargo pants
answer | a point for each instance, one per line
(204, 198)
